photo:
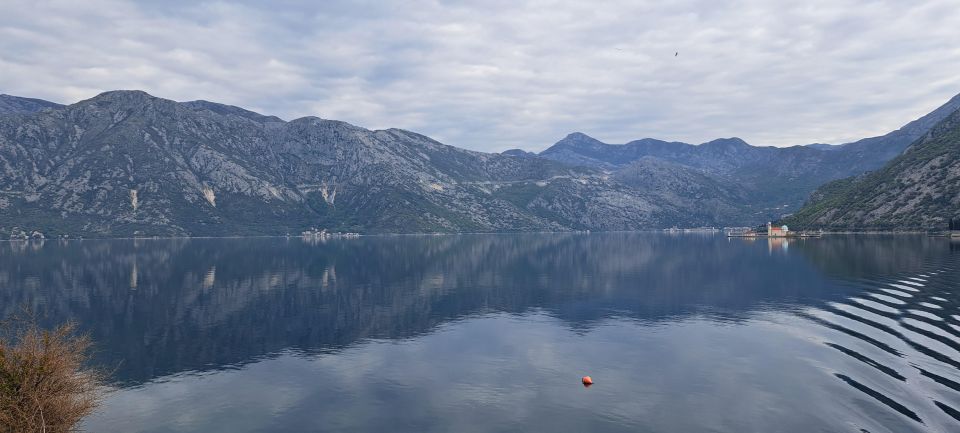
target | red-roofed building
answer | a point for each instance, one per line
(774, 231)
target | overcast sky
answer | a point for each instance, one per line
(492, 75)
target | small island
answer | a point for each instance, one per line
(772, 231)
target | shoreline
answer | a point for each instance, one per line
(661, 231)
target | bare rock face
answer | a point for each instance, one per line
(126, 163)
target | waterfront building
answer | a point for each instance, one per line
(775, 231)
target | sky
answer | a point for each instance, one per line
(491, 75)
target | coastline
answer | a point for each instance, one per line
(365, 235)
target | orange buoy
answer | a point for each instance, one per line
(587, 381)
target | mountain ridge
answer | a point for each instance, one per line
(917, 190)
(895, 141)
(776, 180)
(125, 163)
(19, 104)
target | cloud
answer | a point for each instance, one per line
(493, 75)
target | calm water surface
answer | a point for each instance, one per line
(692, 333)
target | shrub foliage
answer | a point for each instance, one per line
(45, 382)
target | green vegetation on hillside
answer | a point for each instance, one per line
(918, 190)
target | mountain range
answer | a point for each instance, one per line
(771, 181)
(917, 190)
(126, 163)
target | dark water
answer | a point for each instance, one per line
(492, 333)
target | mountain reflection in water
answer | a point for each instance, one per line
(488, 332)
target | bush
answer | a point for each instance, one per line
(45, 382)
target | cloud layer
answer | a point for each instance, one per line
(492, 75)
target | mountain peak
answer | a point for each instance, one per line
(122, 98)
(579, 139)
(578, 136)
(728, 143)
(518, 153)
(124, 94)
(315, 121)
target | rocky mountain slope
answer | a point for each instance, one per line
(886, 147)
(680, 186)
(126, 163)
(917, 190)
(772, 180)
(16, 104)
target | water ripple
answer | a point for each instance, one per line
(907, 318)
